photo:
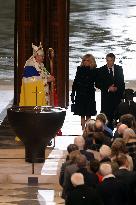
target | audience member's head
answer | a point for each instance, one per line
(74, 155)
(89, 128)
(72, 147)
(128, 94)
(129, 134)
(79, 141)
(77, 179)
(122, 160)
(105, 169)
(99, 126)
(102, 117)
(121, 129)
(117, 126)
(118, 146)
(81, 161)
(105, 151)
(98, 138)
(94, 165)
(129, 120)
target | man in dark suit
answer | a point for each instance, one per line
(82, 194)
(111, 190)
(111, 83)
(128, 106)
(79, 165)
(126, 176)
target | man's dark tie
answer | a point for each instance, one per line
(111, 72)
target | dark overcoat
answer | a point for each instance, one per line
(83, 195)
(83, 91)
(110, 100)
(129, 179)
(113, 191)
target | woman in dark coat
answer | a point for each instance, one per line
(83, 90)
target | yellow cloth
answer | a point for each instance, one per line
(28, 95)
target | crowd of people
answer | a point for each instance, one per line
(100, 167)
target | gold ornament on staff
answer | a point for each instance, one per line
(53, 93)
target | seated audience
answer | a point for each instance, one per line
(111, 190)
(96, 141)
(91, 179)
(99, 127)
(102, 117)
(105, 154)
(79, 141)
(119, 146)
(120, 130)
(96, 138)
(71, 148)
(129, 137)
(128, 106)
(69, 160)
(89, 128)
(82, 194)
(94, 167)
(126, 176)
(129, 120)
(69, 170)
(72, 164)
(79, 166)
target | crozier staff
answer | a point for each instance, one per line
(53, 90)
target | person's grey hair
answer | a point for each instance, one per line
(79, 141)
(105, 151)
(90, 126)
(105, 169)
(77, 179)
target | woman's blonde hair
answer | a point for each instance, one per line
(92, 58)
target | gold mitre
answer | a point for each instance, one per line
(38, 50)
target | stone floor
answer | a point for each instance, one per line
(19, 186)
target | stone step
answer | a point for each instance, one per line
(19, 171)
(25, 178)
